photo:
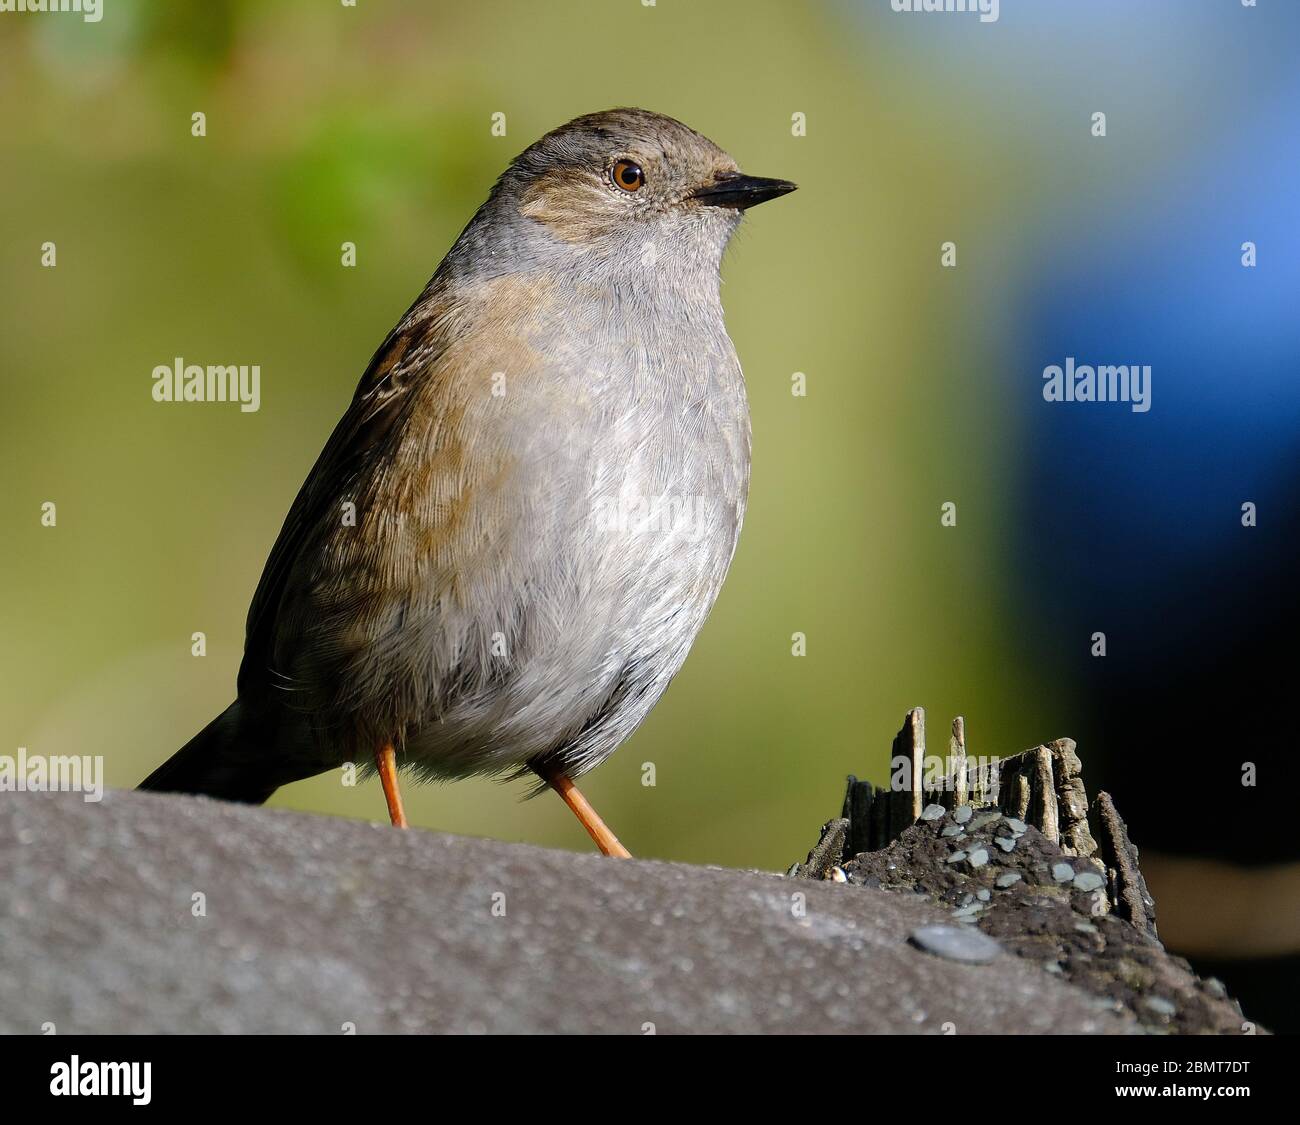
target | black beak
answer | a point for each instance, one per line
(739, 191)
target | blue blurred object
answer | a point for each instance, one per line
(1135, 522)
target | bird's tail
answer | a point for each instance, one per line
(216, 762)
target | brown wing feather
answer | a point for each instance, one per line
(377, 406)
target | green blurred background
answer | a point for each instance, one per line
(371, 124)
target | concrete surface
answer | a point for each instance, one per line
(312, 925)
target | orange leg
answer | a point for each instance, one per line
(386, 760)
(596, 828)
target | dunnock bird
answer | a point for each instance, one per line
(511, 539)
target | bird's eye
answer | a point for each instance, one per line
(627, 175)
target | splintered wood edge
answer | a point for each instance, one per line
(1042, 786)
(960, 790)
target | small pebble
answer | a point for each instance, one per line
(1053, 967)
(1160, 1006)
(1215, 986)
(953, 830)
(968, 911)
(1086, 928)
(1005, 843)
(980, 821)
(962, 814)
(932, 812)
(957, 944)
(984, 894)
(838, 876)
(979, 857)
(1088, 881)
(1019, 827)
(1062, 872)
(1010, 879)
(956, 857)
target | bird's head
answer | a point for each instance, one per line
(630, 181)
